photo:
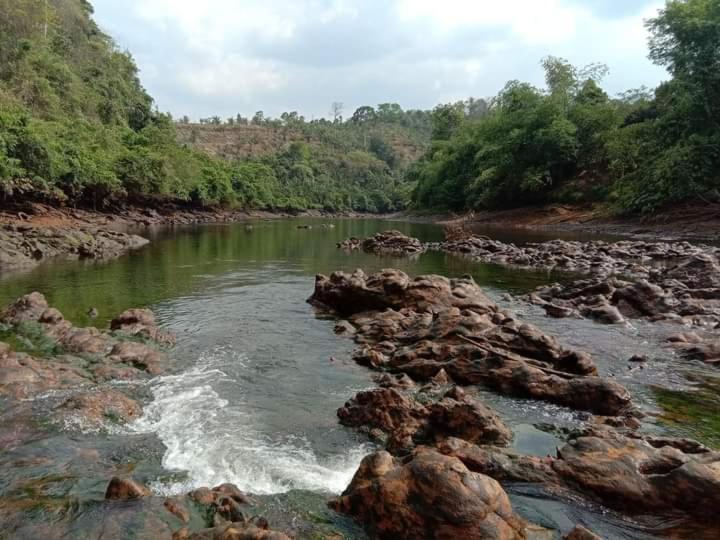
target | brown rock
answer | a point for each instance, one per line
(124, 489)
(431, 492)
(581, 533)
(97, 407)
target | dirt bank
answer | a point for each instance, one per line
(697, 221)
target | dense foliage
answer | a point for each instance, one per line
(77, 127)
(572, 142)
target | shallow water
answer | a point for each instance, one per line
(256, 377)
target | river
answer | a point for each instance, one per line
(256, 377)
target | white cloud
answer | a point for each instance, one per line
(229, 56)
(233, 77)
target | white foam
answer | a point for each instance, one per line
(214, 441)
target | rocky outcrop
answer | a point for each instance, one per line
(82, 357)
(630, 258)
(220, 509)
(687, 293)
(141, 323)
(632, 474)
(430, 492)
(392, 243)
(23, 246)
(424, 325)
(405, 421)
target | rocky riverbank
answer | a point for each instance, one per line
(56, 378)
(430, 336)
(24, 246)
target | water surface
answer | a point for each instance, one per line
(253, 385)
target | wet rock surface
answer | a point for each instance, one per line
(23, 246)
(430, 334)
(424, 325)
(686, 292)
(404, 420)
(429, 492)
(629, 473)
(82, 357)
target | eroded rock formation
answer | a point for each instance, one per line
(424, 325)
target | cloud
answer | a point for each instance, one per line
(229, 56)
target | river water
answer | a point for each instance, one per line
(253, 384)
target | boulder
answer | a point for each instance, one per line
(430, 492)
(123, 489)
(392, 243)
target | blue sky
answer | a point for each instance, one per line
(225, 57)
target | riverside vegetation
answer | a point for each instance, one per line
(77, 127)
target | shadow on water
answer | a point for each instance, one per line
(255, 379)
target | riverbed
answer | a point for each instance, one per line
(256, 376)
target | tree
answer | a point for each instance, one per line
(363, 115)
(336, 110)
(446, 119)
(259, 118)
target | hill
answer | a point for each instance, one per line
(78, 128)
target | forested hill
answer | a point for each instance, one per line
(572, 142)
(77, 127)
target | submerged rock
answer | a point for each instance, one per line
(95, 408)
(123, 489)
(140, 322)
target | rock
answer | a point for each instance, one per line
(25, 246)
(404, 419)
(356, 293)
(231, 531)
(95, 408)
(137, 355)
(603, 313)
(459, 415)
(632, 474)
(176, 507)
(344, 328)
(581, 533)
(392, 243)
(431, 492)
(558, 312)
(123, 489)
(383, 408)
(350, 244)
(232, 491)
(28, 308)
(424, 325)
(140, 322)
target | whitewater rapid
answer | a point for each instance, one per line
(213, 440)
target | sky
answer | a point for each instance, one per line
(223, 57)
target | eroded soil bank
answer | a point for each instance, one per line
(699, 221)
